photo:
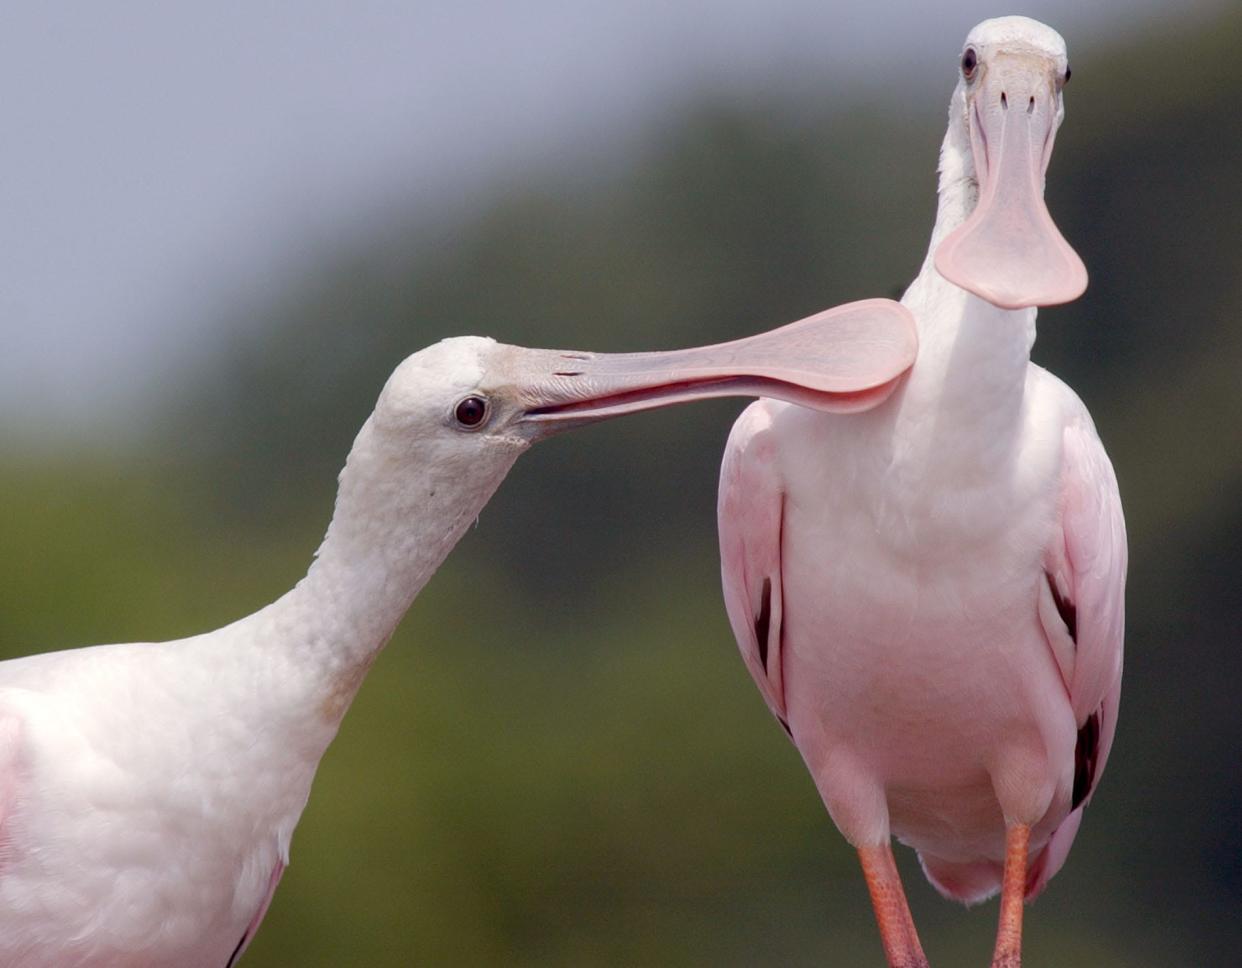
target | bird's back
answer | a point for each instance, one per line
(138, 823)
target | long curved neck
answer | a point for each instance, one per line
(397, 517)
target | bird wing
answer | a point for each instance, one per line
(1091, 569)
(1086, 572)
(10, 727)
(253, 928)
(750, 516)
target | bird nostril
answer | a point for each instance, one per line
(1004, 102)
(1030, 105)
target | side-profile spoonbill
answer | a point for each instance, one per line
(930, 595)
(148, 792)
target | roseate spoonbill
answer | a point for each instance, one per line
(148, 792)
(929, 595)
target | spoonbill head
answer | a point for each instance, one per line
(149, 791)
(1003, 119)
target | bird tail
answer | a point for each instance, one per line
(969, 882)
(972, 882)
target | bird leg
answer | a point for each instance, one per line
(892, 913)
(1008, 952)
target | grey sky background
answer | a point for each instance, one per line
(167, 165)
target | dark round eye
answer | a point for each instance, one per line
(970, 60)
(471, 411)
(1065, 80)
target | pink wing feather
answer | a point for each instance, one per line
(750, 516)
(1089, 571)
(253, 928)
(10, 727)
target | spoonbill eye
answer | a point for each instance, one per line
(969, 61)
(1065, 79)
(471, 412)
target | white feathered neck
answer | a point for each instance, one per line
(399, 511)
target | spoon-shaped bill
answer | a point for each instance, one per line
(1009, 251)
(841, 360)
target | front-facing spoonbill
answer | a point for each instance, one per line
(930, 595)
(148, 792)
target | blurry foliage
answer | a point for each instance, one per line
(559, 759)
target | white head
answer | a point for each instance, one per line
(450, 406)
(1004, 117)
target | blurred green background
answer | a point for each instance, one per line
(559, 760)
